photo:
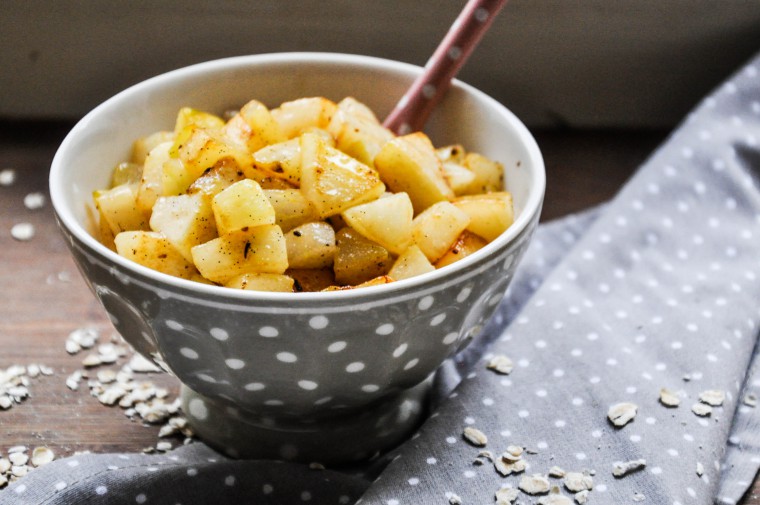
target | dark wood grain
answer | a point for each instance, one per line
(44, 299)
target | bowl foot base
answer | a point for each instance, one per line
(336, 439)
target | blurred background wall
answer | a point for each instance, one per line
(567, 63)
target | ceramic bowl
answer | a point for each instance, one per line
(295, 375)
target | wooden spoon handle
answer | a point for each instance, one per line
(412, 111)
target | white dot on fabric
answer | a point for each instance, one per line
(541, 393)
(431, 461)
(635, 438)
(254, 386)
(523, 413)
(318, 322)
(287, 357)
(438, 319)
(558, 372)
(398, 351)
(413, 481)
(580, 456)
(141, 498)
(305, 496)
(656, 470)
(268, 331)
(192, 472)
(101, 490)
(229, 480)
(60, 485)
(481, 15)
(267, 489)
(384, 329)
(219, 334)
(488, 402)
(370, 388)
(336, 346)
(596, 433)
(356, 366)
(188, 353)
(560, 423)
(235, 364)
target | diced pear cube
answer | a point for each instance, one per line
(281, 160)
(263, 128)
(458, 177)
(409, 164)
(311, 279)
(291, 208)
(490, 213)
(126, 172)
(357, 131)
(466, 244)
(311, 245)
(410, 263)
(153, 250)
(119, 209)
(185, 221)
(216, 179)
(437, 228)
(489, 174)
(204, 148)
(188, 120)
(454, 153)
(142, 146)
(256, 250)
(242, 205)
(359, 259)
(386, 221)
(151, 184)
(333, 181)
(296, 116)
(262, 282)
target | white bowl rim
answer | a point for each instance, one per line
(67, 218)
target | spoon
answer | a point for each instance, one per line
(412, 111)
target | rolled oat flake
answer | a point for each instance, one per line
(7, 176)
(501, 364)
(554, 499)
(34, 201)
(535, 484)
(475, 436)
(621, 414)
(623, 468)
(577, 481)
(713, 397)
(22, 231)
(701, 409)
(669, 398)
(506, 496)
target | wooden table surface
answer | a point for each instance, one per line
(44, 299)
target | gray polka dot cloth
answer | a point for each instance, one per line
(649, 305)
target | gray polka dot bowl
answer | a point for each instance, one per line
(330, 376)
